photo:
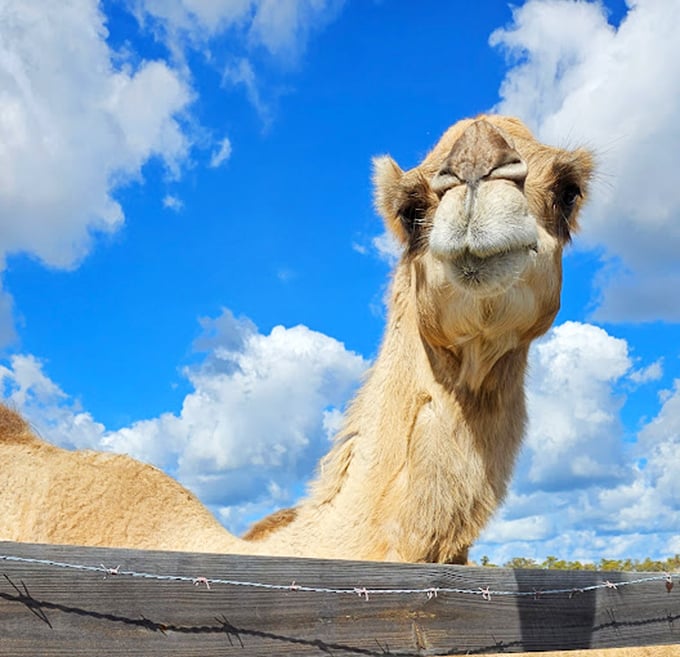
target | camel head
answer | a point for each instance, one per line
(483, 220)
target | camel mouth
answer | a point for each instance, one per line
(489, 274)
(484, 235)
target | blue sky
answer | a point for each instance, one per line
(193, 273)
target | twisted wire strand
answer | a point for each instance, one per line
(364, 592)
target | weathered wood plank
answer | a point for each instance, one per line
(50, 611)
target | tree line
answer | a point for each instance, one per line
(672, 564)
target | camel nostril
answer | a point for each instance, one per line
(445, 179)
(515, 170)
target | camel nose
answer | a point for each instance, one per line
(481, 152)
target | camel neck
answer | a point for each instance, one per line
(419, 445)
(409, 370)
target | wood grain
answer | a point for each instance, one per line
(53, 611)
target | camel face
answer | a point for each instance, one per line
(485, 202)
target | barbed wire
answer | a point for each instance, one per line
(431, 592)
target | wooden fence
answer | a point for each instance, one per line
(90, 601)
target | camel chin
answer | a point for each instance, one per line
(488, 276)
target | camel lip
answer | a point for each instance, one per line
(490, 274)
(479, 256)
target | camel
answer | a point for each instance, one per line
(428, 444)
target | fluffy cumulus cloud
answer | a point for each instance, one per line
(75, 122)
(575, 430)
(659, 453)
(580, 490)
(577, 79)
(261, 413)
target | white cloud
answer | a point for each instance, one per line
(385, 246)
(388, 248)
(27, 388)
(574, 426)
(585, 545)
(652, 372)
(659, 447)
(579, 491)
(527, 528)
(222, 154)
(261, 413)
(74, 126)
(173, 203)
(196, 17)
(615, 90)
(241, 72)
(260, 410)
(282, 27)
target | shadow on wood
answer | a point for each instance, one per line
(546, 631)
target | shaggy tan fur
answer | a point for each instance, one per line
(429, 443)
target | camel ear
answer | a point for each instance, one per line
(585, 162)
(387, 177)
(584, 167)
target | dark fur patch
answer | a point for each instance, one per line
(416, 205)
(568, 191)
(13, 428)
(271, 523)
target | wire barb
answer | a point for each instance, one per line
(362, 592)
(111, 571)
(202, 580)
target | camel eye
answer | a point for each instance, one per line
(566, 197)
(412, 204)
(411, 215)
(566, 193)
